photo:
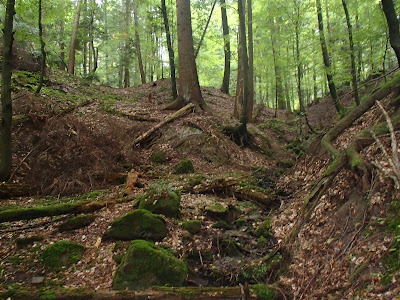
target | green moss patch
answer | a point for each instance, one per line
(76, 223)
(264, 229)
(23, 242)
(185, 166)
(138, 224)
(145, 265)
(216, 210)
(264, 292)
(161, 199)
(158, 157)
(62, 254)
(193, 226)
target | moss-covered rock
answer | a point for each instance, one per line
(76, 223)
(62, 254)
(216, 210)
(185, 166)
(264, 229)
(221, 224)
(138, 224)
(161, 199)
(145, 265)
(25, 241)
(158, 157)
(193, 226)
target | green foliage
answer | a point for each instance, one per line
(264, 229)
(263, 292)
(76, 223)
(146, 265)
(62, 254)
(185, 166)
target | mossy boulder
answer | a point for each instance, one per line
(185, 166)
(62, 254)
(158, 157)
(145, 265)
(138, 224)
(216, 210)
(193, 226)
(76, 223)
(161, 200)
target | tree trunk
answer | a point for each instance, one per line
(227, 49)
(189, 88)
(250, 101)
(279, 99)
(327, 63)
(137, 40)
(71, 59)
(393, 25)
(6, 117)
(244, 63)
(171, 54)
(62, 45)
(42, 49)
(205, 30)
(127, 52)
(352, 56)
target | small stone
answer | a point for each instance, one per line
(37, 279)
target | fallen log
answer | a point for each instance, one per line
(158, 293)
(17, 214)
(167, 120)
(11, 190)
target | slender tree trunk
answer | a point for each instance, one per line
(227, 49)
(137, 39)
(279, 98)
(243, 79)
(127, 52)
(62, 45)
(189, 88)
(42, 49)
(91, 45)
(250, 100)
(393, 25)
(6, 104)
(352, 56)
(171, 54)
(325, 54)
(298, 61)
(205, 30)
(71, 59)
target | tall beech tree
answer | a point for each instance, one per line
(352, 56)
(6, 104)
(42, 49)
(137, 42)
(171, 54)
(327, 62)
(189, 88)
(393, 25)
(72, 47)
(227, 49)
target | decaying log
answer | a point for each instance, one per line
(167, 120)
(16, 214)
(164, 293)
(11, 190)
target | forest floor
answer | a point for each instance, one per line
(74, 143)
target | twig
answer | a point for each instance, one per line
(19, 165)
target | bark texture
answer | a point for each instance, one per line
(137, 41)
(6, 117)
(227, 49)
(72, 47)
(393, 25)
